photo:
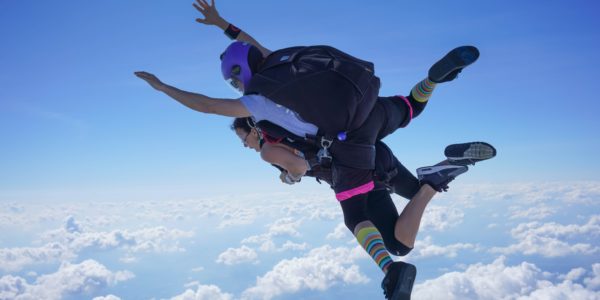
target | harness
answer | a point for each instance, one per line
(318, 151)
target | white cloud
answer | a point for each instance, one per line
(340, 232)
(234, 256)
(192, 284)
(594, 281)
(288, 245)
(570, 193)
(65, 243)
(320, 269)
(537, 212)
(107, 297)
(204, 292)
(285, 226)
(440, 218)
(549, 239)
(239, 216)
(426, 248)
(281, 227)
(574, 274)
(496, 280)
(73, 280)
(128, 259)
(14, 259)
(154, 239)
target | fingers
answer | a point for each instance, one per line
(203, 4)
(203, 21)
(198, 8)
(212, 3)
(143, 75)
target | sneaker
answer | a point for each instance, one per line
(438, 177)
(398, 282)
(469, 153)
(447, 68)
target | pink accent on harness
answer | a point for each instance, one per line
(363, 189)
(409, 107)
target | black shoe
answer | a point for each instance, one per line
(398, 282)
(438, 177)
(469, 153)
(447, 68)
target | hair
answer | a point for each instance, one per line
(246, 124)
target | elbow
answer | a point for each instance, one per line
(298, 169)
(203, 108)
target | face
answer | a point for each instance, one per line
(236, 84)
(249, 139)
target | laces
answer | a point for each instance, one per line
(384, 285)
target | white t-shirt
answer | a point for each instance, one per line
(261, 108)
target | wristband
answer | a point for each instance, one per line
(232, 32)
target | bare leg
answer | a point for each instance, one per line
(407, 225)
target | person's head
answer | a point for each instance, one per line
(246, 130)
(239, 61)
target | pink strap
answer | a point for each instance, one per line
(409, 107)
(363, 189)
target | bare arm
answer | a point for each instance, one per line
(285, 158)
(198, 102)
(212, 17)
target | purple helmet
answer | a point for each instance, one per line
(234, 64)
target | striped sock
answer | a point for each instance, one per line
(370, 239)
(422, 91)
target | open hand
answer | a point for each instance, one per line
(211, 15)
(150, 79)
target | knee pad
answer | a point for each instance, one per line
(397, 248)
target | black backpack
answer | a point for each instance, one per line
(325, 86)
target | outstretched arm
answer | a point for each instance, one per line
(212, 17)
(198, 102)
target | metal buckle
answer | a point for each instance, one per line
(323, 156)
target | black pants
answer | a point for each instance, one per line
(389, 114)
(352, 185)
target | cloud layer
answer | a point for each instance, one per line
(75, 280)
(499, 281)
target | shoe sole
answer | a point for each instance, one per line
(456, 59)
(404, 288)
(424, 171)
(469, 153)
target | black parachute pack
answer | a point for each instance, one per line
(325, 86)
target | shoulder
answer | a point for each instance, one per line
(275, 152)
(253, 98)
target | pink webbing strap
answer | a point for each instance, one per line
(410, 109)
(363, 189)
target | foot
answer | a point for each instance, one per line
(447, 68)
(438, 177)
(469, 153)
(398, 282)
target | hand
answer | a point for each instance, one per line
(283, 177)
(150, 79)
(288, 178)
(211, 15)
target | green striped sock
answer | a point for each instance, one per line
(422, 91)
(370, 239)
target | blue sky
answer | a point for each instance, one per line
(77, 127)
